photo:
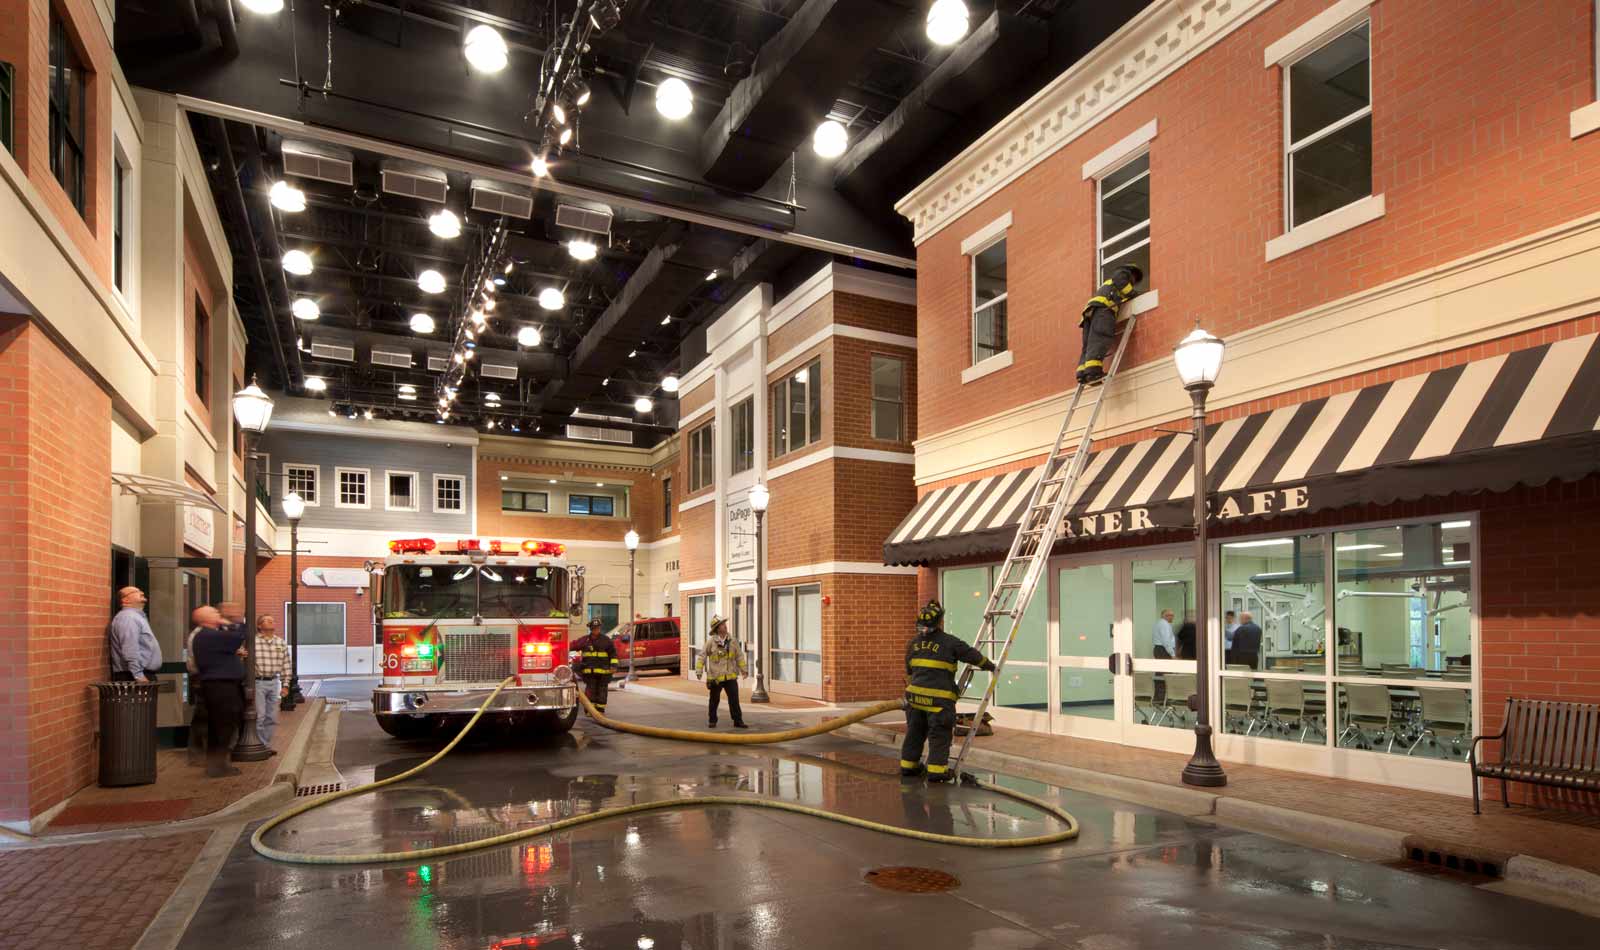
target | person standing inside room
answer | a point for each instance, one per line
(217, 649)
(135, 654)
(1163, 641)
(1230, 623)
(721, 665)
(1246, 643)
(1186, 638)
(272, 662)
(597, 661)
(931, 693)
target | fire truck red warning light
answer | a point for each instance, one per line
(544, 548)
(412, 546)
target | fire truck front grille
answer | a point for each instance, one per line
(478, 657)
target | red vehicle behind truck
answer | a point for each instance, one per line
(655, 643)
(456, 621)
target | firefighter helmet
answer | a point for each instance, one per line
(931, 614)
(595, 624)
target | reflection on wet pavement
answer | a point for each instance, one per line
(724, 877)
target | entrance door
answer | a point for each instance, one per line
(743, 624)
(1159, 662)
(1084, 611)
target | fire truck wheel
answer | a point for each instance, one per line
(553, 723)
(408, 727)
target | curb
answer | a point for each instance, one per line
(1350, 838)
(1569, 881)
(293, 760)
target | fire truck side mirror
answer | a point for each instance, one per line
(373, 567)
(578, 585)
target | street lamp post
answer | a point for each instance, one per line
(631, 539)
(293, 508)
(1199, 359)
(253, 410)
(759, 499)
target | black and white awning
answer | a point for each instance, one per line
(1522, 417)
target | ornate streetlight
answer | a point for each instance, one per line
(252, 409)
(631, 539)
(293, 508)
(759, 499)
(1199, 360)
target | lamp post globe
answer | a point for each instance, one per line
(631, 539)
(1199, 361)
(760, 498)
(294, 507)
(252, 409)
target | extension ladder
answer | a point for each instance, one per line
(1025, 563)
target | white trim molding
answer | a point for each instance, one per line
(1135, 142)
(986, 235)
(1316, 31)
(315, 501)
(1351, 216)
(840, 278)
(705, 499)
(840, 452)
(338, 488)
(437, 478)
(689, 420)
(839, 329)
(416, 490)
(1586, 119)
(839, 567)
(709, 584)
(1151, 46)
(993, 364)
(1145, 302)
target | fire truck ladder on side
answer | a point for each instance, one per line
(1053, 493)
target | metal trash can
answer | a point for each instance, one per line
(127, 733)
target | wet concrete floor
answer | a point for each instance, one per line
(727, 877)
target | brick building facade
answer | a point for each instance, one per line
(1454, 255)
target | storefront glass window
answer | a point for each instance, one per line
(1163, 603)
(1403, 599)
(1276, 585)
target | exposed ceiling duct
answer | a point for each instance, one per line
(498, 197)
(318, 161)
(799, 73)
(415, 181)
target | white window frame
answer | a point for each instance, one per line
(709, 430)
(338, 488)
(388, 500)
(1290, 147)
(979, 241)
(976, 309)
(316, 482)
(461, 481)
(525, 492)
(1586, 119)
(873, 399)
(743, 434)
(616, 507)
(122, 210)
(1100, 196)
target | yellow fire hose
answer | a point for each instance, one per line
(258, 840)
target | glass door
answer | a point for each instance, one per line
(1160, 667)
(1083, 616)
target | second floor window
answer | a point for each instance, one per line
(666, 502)
(449, 494)
(742, 419)
(888, 398)
(702, 458)
(352, 488)
(119, 185)
(1125, 219)
(602, 505)
(989, 302)
(402, 491)
(535, 501)
(68, 87)
(797, 409)
(301, 479)
(202, 351)
(7, 91)
(1328, 126)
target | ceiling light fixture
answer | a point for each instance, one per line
(499, 281)
(485, 49)
(666, 319)
(421, 323)
(565, 136)
(830, 139)
(712, 276)
(528, 336)
(467, 355)
(408, 397)
(316, 384)
(510, 266)
(460, 359)
(541, 166)
(478, 319)
(605, 15)
(489, 305)
(670, 384)
(578, 91)
(947, 21)
(491, 397)
(643, 405)
(552, 298)
(606, 381)
(286, 197)
(262, 6)
(559, 113)
(445, 224)
(582, 250)
(408, 388)
(431, 282)
(297, 262)
(632, 354)
(304, 308)
(673, 99)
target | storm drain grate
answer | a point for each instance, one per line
(307, 791)
(911, 880)
(1437, 861)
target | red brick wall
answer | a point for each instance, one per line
(872, 313)
(852, 404)
(644, 502)
(272, 593)
(1471, 149)
(801, 520)
(55, 468)
(864, 634)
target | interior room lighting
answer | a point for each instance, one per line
(445, 224)
(1358, 547)
(673, 99)
(1271, 542)
(582, 250)
(262, 6)
(485, 49)
(297, 262)
(528, 336)
(830, 139)
(304, 308)
(430, 282)
(551, 298)
(316, 384)
(421, 323)
(1456, 524)
(286, 197)
(947, 21)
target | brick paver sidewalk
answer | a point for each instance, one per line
(1565, 837)
(97, 896)
(179, 791)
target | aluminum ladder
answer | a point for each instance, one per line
(1025, 563)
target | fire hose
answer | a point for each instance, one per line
(259, 843)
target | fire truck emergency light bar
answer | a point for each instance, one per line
(475, 546)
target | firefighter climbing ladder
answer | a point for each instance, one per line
(1025, 563)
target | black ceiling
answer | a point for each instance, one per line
(735, 187)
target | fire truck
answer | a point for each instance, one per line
(457, 618)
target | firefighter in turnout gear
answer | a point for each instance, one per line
(721, 664)
(1099, 320)
(595, 659)
(931, 659)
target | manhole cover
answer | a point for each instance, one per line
(911, 880)
(306, 791)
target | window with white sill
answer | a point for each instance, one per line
(989, 301)
(1124, 219)
(1328, 126)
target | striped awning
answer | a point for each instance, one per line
(1522, 417)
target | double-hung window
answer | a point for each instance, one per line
(1125, 219)
(68, 96)
(119, 198)
(202, 351)
(352, 483)
(989, 301)
(742, 425)
(8, 78)
(666, 502)
(603, 506)
(797, 409)
(888, 398)
(702, 457)
(449, 494)
(302, 480)
(1328, 126)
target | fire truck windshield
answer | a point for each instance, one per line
(455, 591)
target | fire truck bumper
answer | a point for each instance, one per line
(444, 700)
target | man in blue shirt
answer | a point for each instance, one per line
(135, 654)
(217, 648)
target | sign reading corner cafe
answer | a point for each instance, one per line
(1180, 513)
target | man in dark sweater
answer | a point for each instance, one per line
(1246, 643)
(217, 649)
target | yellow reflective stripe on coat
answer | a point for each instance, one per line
(926, 708)
(934, 664)
(930, 691)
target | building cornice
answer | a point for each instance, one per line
(1152, 45)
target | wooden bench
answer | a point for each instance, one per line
(1544, 742)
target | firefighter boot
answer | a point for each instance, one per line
(940, 777)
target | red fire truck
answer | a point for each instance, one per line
(457, 618)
